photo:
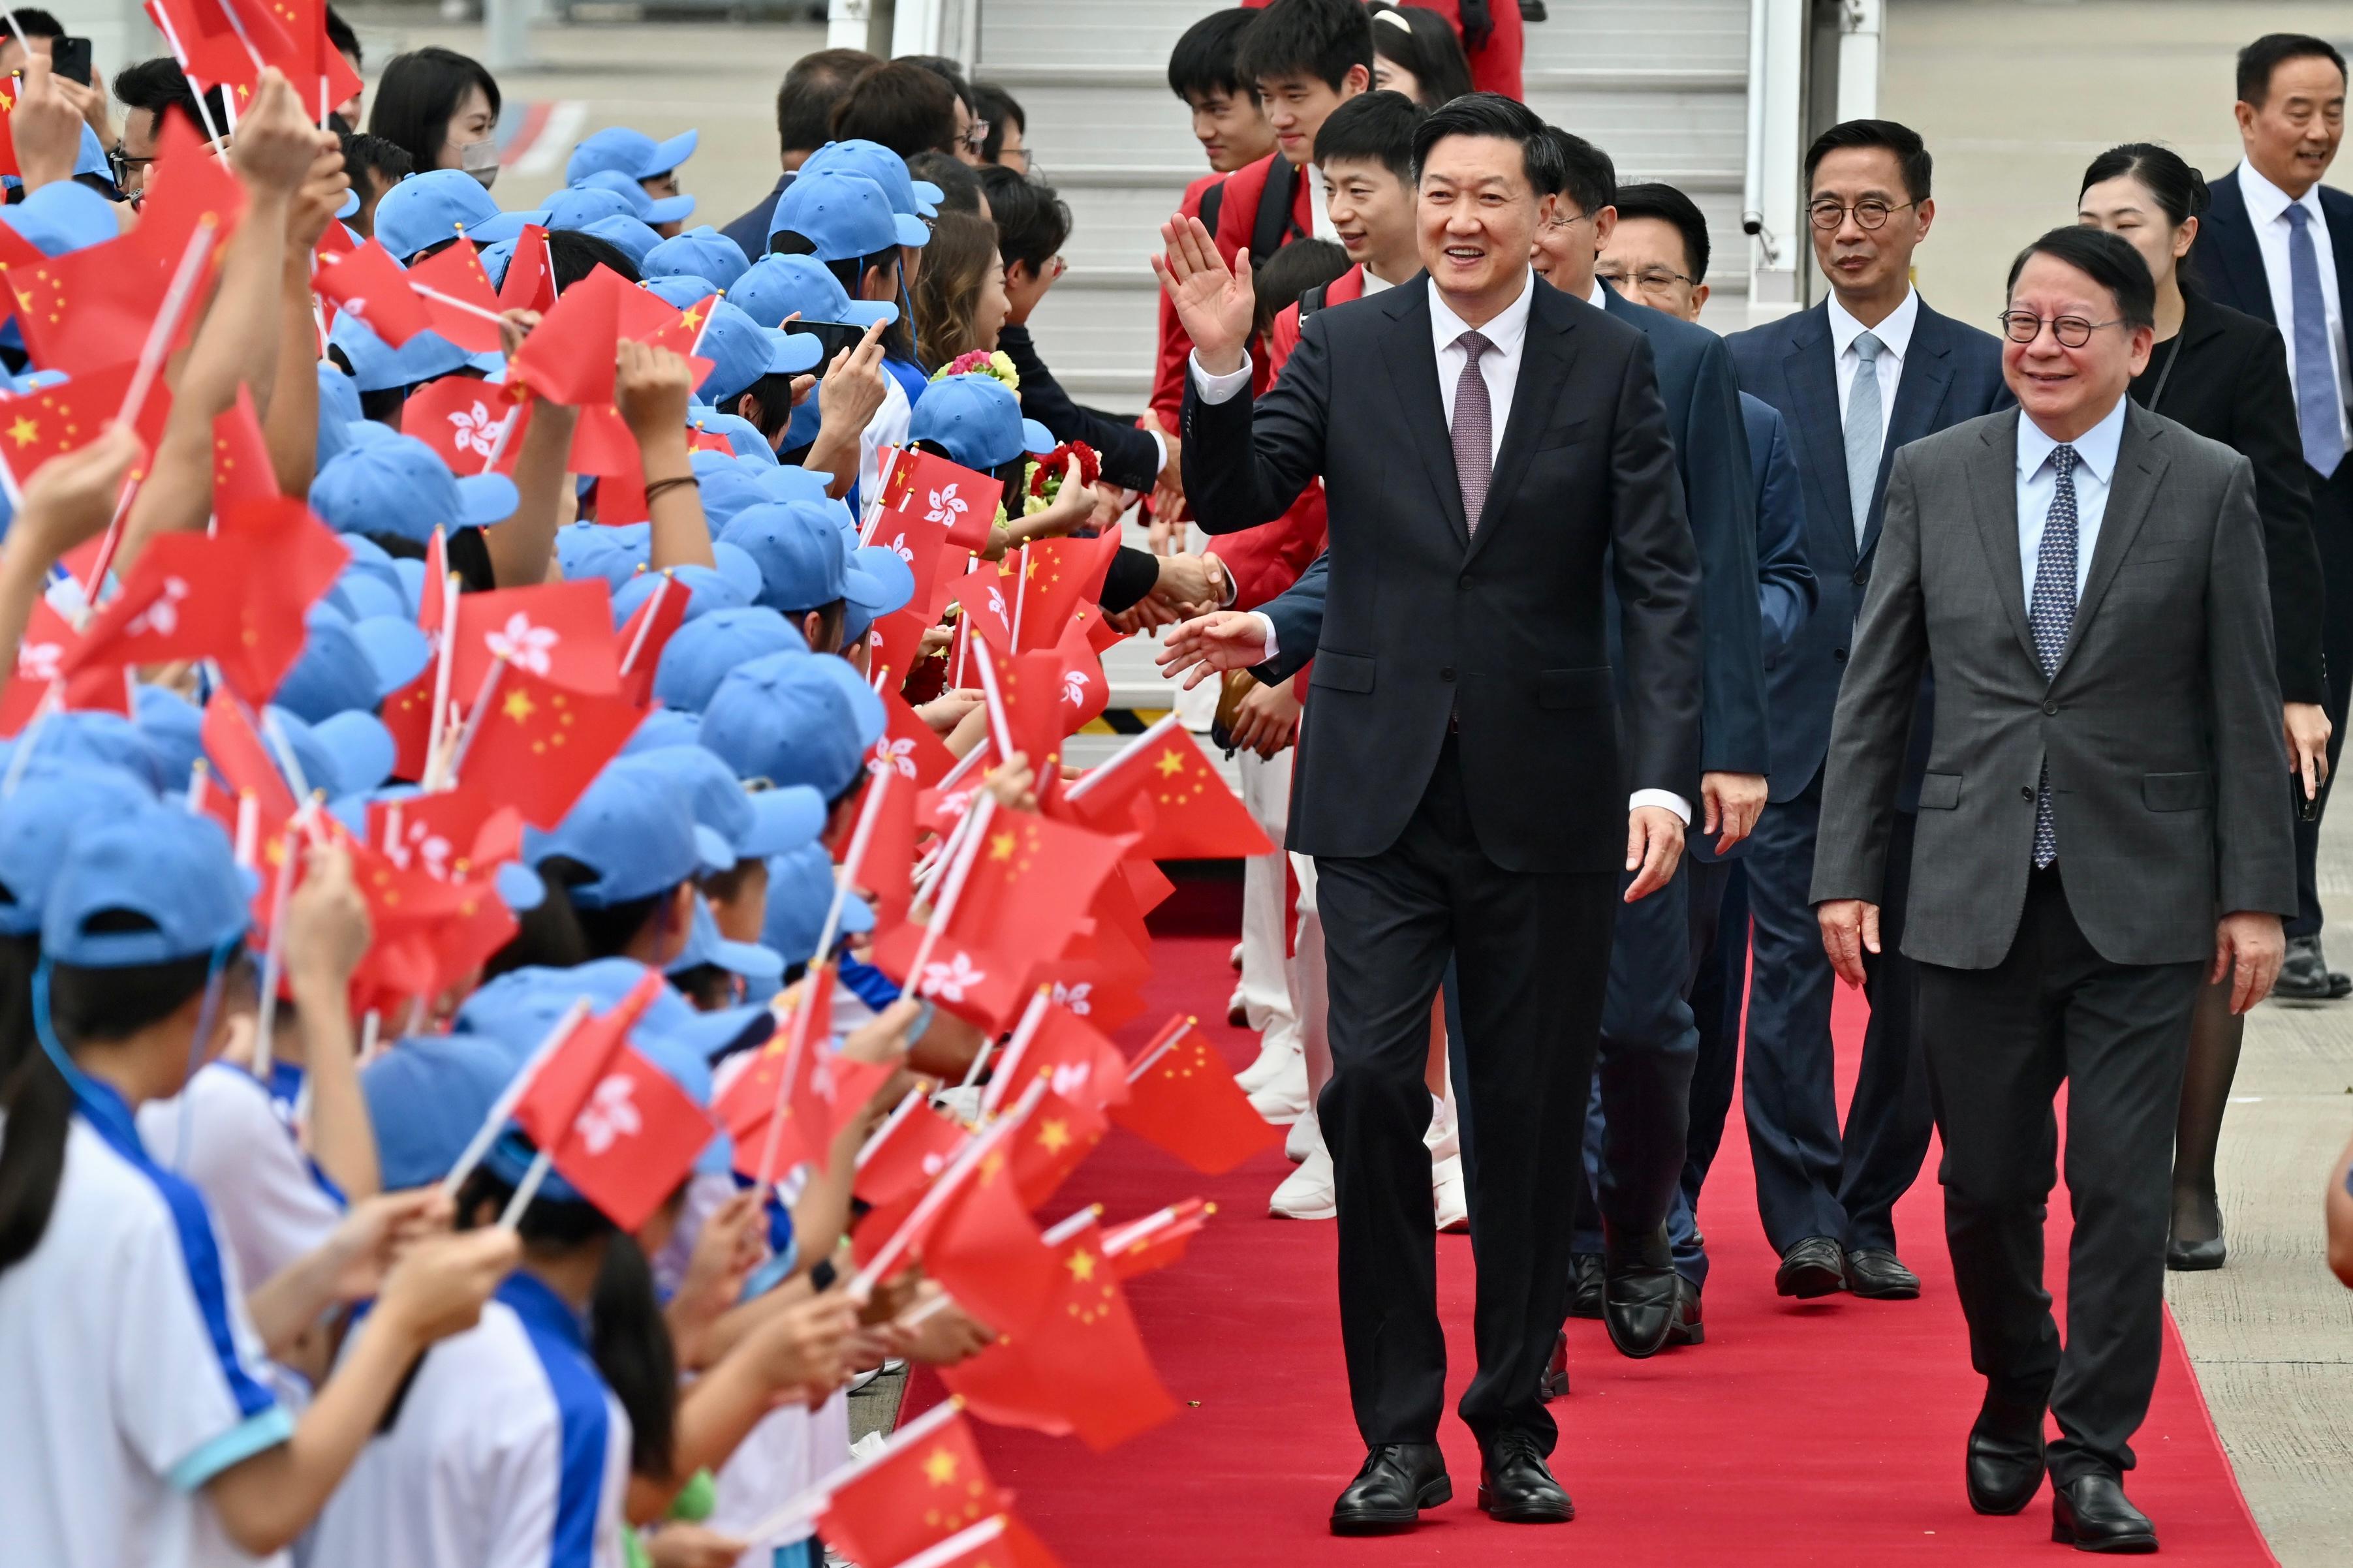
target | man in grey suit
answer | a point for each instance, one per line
(2085, 581)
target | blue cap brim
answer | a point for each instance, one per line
(716, 853)
(790, 353)
(361, 747)
(783, 820)
(748, 959)
(784, 484)
(913, 231)
(865, 708)
(396, 650)
(888, 571)
(668, 155)
(487, 498)
(350, 204)
(713, 1034)
(736, 566)
(668, 209)
(1036, 439)
(520, 887)
(927, 198)
(866, 312)
(503, 225)
(856, 915)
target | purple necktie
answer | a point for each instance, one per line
(1475, 430)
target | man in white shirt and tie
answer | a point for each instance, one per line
(2278, 244)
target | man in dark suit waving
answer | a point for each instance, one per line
(1856, 377)
(1469, 780)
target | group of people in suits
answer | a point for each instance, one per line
(1991, 672)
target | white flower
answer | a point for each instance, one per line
(901, 548)
(1075, 997)
(996, 600)
(163, 616)
(420, 842)
(1074, 688)
(38, 660)
(1071, 1078)
(953, 979)
(947, 507)
(890, 754)
(475, 431)
(524, 646)
(608, 1116)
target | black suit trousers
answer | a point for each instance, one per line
(1999, 1043)
(1531, 954)
(2332, 530)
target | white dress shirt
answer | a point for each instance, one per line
(1895, 335)
(1499, 367)
(2038, 481)
(2267, 207)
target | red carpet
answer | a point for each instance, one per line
(1798, 1433)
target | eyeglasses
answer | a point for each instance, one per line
(975, 136)
(1829, 216)
(122, 163)
(1648, 278)
(1567, 222)
(2072, 331)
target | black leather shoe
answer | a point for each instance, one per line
(1585, 1294)
(2304, 975)
(1555, 1385)
(2090, 1514)
(1515, 1488)
(2004, 1469)
(1686, 1329)
(2190, 1257)
(1814, 1266)
(1638, 1305)
(1398, 1481)
(1877, 1274)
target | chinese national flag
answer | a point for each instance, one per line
(243, 764)
(369, 284)
(1156, 1240)
(1184, 1099)
(241, 466)
(915, 1494)
(1051, 1144)
(461, 419)
(322, 78)
(16, 244)
(181, 600)
(457, 272)
(568, 358)
(982, 1247)
(783, 1078)
(643, 636)
(51, 421)
(530, 282)
(883, 867)
(1083, 1369)
(295, 559)
(223, 48)
(1058, 576)
(542, 744)
(1196, 815)
(1071, 1053)
(908, 748)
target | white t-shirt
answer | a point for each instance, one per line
(267, 1200)
(507, 1452)
(129, 1374)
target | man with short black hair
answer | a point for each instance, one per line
(1485, 443)
(376, 165)
(812, 89)
(1857, 376)
(147, 91)
(2278, 244)
(903, 106)
(1304, 58)
(2086, 581)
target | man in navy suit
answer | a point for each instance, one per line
(2278, 244)
(1657, 253)
(1858, 376)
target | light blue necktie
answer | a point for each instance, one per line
(1864, 435)
(2319, 415)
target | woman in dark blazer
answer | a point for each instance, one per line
(2224, 374)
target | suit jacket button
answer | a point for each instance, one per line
(1838, 654)
(2026, 791)
(1447, 673)
(1862, 575)
(2052, 708)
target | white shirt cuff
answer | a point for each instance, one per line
(1160, 444)
(1233, 590)
(1218, 388)
(1661, 797)
(1266, 624)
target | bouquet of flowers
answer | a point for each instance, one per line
(981, 361)
(1045, 475)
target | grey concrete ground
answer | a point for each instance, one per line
(2014, 97)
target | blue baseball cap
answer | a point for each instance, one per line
(96, 738)
(700, 252)
(795, 719)
(377, 366)
(172, 867)
(424, 209)
(756, 823)
(800, 891)
(909, 196)
(742, 351)
(519, 1007)
(37, 823)
(64, 216)
(702, 651)
(735, 564)
(338, 409)
(742, 434)
(978, 419)
(726, 491)
(398, 486)
(362, 595)
(349, 664)
(174, 728)
(577, 208)
(706, 591)
(881, 583)
(704, 945)
(644, 206)
(777, 286)
(635, 829)
(679, 290)
(343, 753)
(632, 153)
(594, 550)
(625, 233)
(779, 483)
(804, 561)
(426, 1098)
(662, 729)
(847, 217)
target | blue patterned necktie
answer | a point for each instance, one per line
(2320, 416)
(2052, 610)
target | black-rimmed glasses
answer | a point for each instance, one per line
(2072, 331)
(1829, 215)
